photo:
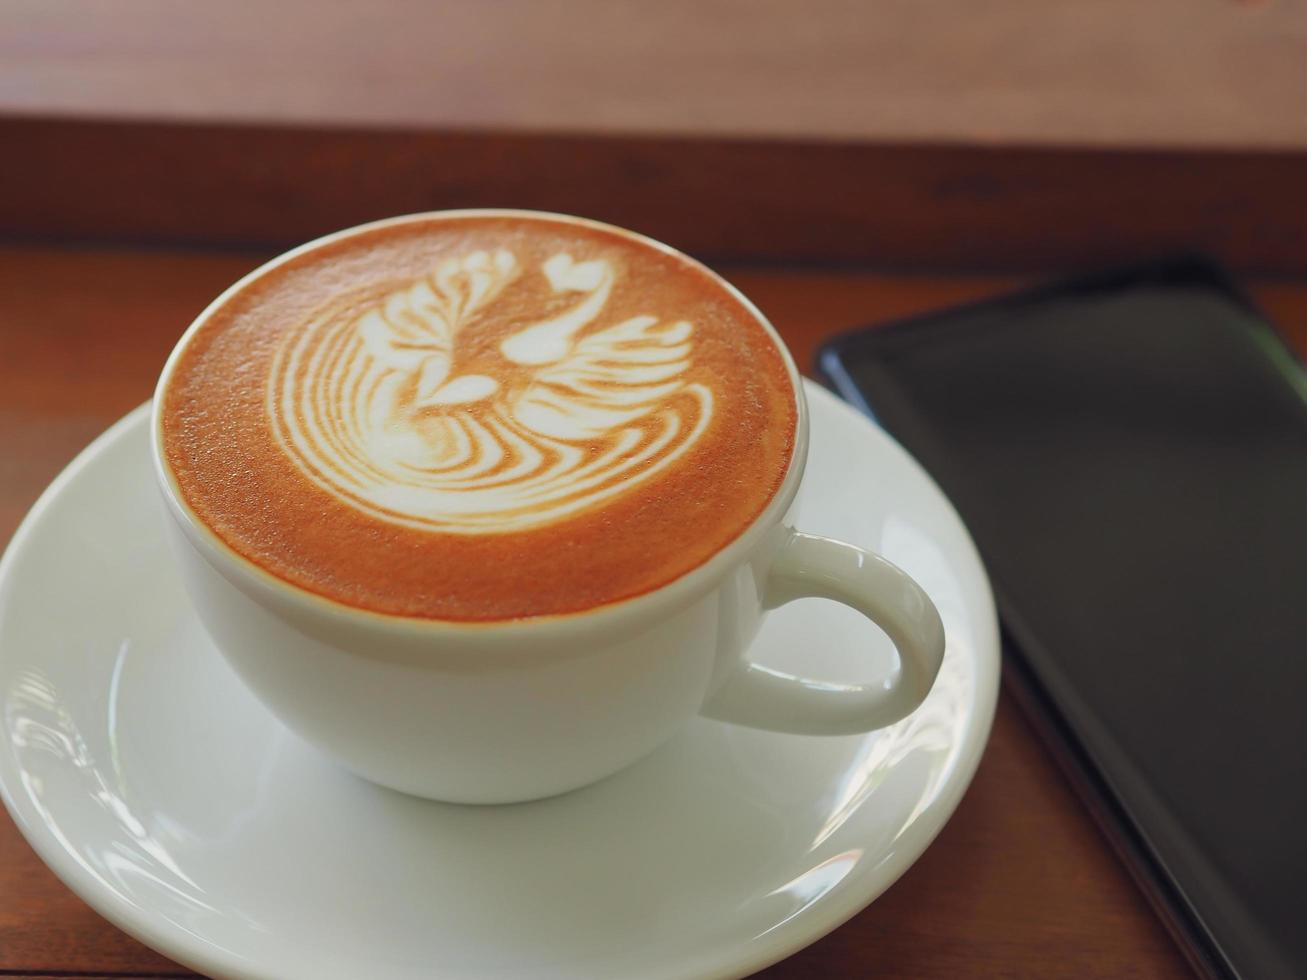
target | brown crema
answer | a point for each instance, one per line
(479, 417)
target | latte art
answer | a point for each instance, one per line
(479, 416)
(383, 411)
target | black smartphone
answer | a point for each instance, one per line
(1129, 451)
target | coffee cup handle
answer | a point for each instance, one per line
(808, 566)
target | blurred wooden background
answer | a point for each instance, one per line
(933, 135)
(1115, 73)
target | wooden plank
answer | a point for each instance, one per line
(1018, 884)
(1108, 73)
(930, 208)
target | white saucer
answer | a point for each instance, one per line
(162, 793)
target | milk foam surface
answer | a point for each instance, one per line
(375, 410)
(474, 417)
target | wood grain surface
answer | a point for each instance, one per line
(916, 207)
(1018, 884)
(1216, 73)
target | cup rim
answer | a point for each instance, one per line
(643, 608)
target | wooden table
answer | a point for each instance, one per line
(1018, 884)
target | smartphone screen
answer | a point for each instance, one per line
(1130, 454)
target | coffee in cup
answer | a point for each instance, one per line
(487, 505)
(480, 417)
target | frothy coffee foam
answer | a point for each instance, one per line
(375, 410)
(479, 417)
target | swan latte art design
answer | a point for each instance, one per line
(478, 416)
(569, 411)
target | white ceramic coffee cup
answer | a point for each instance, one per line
(522, 709)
